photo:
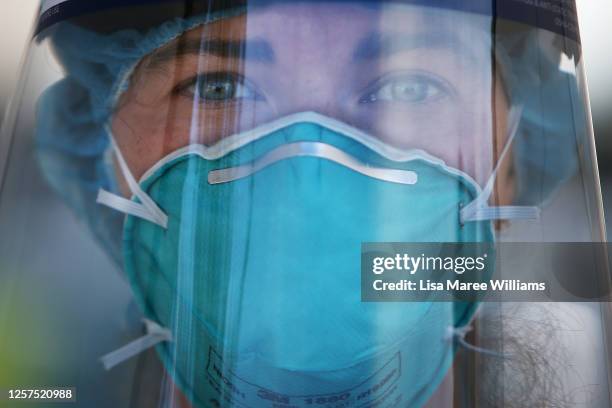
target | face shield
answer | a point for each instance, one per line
(202, 177)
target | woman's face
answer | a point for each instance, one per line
(415, 78)
(412, 77)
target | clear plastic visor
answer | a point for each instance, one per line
(230, 164)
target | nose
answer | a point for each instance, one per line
(315, 93)
(312, 73)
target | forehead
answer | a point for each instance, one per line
(336, 25)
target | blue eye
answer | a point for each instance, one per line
(221, 87)
(414, 89)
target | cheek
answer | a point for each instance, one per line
(459, 137)
(146, 134)
(408, 130)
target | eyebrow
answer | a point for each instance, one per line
(376, 45)
(254, 50)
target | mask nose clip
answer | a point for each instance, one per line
(312, 149)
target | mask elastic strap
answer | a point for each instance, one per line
(457, 334)
(479, 209)
(155, 335)
(146, 209)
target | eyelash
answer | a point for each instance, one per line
(203, 79)
(441, 86)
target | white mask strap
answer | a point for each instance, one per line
(146, 209)
(458, 334)
(155, 335)
(479, 209)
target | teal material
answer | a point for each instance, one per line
(259, 278)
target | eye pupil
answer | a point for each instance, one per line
(219, 87)
(219, 90)
(414, 89)
(410, 91)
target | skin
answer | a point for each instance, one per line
(452, 90)
(442, 95)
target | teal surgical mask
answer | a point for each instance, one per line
(247, 252)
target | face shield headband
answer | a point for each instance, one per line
(561, 19)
